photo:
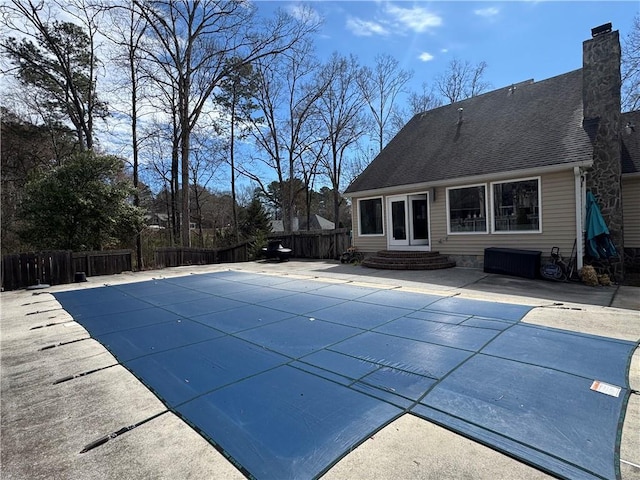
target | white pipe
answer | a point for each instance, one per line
(578, 187)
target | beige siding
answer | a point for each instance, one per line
(631, 211)
(367, 243)
(558, 224)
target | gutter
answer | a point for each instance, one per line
(470, 179)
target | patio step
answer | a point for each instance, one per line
(403, 260)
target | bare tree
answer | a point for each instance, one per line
(361, 156)
(380, 87)
(312, 158)
(286, 94)
(162, 134)
(462, 80)
(127, 30)
(161, 157)
(206, 159)
(340, 112)
(418, 102)
(195, 38)
(631, 68)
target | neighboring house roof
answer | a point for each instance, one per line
(277, 226)
(154, 217)
(630, 142)
(316, 222)
(526, 126)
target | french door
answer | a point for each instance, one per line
(408, 221)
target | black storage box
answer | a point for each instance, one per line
(511, 261)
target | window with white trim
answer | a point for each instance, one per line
(370, 215)
(467, 209)
(516, 206)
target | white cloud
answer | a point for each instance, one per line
(416, 19)
(364, 28)
(394, 19)
(425, 56)
(304, 12)
(487, 12)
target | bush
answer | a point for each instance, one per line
(84, 204)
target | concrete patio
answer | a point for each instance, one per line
(46, 424)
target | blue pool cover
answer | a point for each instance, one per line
(286, 376)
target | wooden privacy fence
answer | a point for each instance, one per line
(178, 256)
(108, 262)
(316, 244)
(23, 270)
(57, 267)
(305, 244)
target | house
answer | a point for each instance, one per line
(159, 221)
(510, 168)
(316, 222)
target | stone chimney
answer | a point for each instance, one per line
(601, 83)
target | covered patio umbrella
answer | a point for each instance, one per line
(598, 242)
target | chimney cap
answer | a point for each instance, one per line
(606, 28)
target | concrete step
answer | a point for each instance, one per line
(403, 260)
(406, 254)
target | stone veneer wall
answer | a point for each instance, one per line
(601, 100)
(467, 261)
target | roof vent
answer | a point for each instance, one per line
(460, 119)
(602, 29)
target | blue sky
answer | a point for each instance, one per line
(519, 40)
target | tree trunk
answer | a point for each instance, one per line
(186, 233)
(308, 207)
(336, 207)
(175, 188)
(134, 142)
(290, 194)
(185, 136)
(233, 166)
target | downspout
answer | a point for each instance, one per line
(579, 186)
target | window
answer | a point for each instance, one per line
(516, 206)
(467, 209)
(370, 211)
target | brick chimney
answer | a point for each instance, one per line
(601, 83)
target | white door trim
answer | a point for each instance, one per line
(407, 243)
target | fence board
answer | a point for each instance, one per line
(108, 262)
(58, 267)
(179, 256)
(316, 244)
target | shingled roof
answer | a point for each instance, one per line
(526, 126)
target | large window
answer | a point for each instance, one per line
(516, 206)
(467, 209)
(370, 216)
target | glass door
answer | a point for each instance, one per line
(398, 221)
(419, 214)
(408, 221)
